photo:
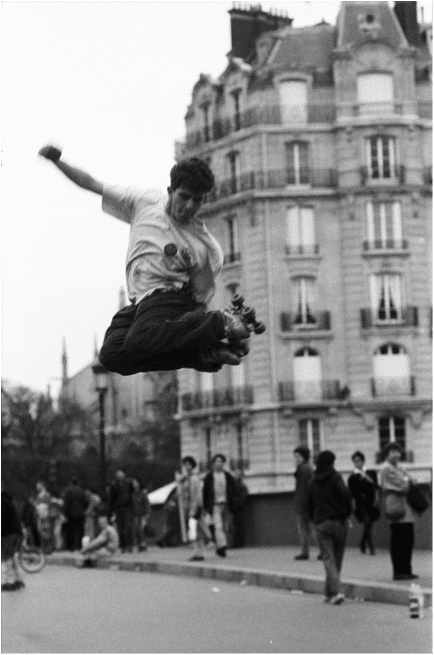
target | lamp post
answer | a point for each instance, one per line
(101, 375)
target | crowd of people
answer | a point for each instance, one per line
(209, 513)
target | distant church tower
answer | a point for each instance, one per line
(64, 363)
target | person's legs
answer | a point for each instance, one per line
(403, 547)
(326, 539)
(341, 531)
(129, 528)
(303, 528)
(367, 529)
(120, 525)
(395, 548)
(220, 536)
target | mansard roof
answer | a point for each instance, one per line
(365, 22)
(305, 48)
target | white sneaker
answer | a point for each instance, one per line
(337, 600)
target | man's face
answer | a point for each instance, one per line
(218, 464)
(394, 456)
(102, 522)
(358, 463)
(188, 468)
(299, 460)
(183, 204)
(120, 475)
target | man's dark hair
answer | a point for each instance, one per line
(193, 173)
(189, 460)
(325, 459)
(303, 451)
(359, 454)
(222, 457)
(393, 445)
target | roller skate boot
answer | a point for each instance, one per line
(247, 315)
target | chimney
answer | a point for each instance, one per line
(406, 13)
(248, 22)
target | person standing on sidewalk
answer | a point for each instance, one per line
(330, 507)
(363, 485)
(303, 476)
(11, 542)
(191, 503)
(241, 493)
(395, 483)
(218, 500)
(75, 503)
(121, 505)
(141, 515)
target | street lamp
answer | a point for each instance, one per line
(101, 375)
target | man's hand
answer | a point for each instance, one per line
(51, 153)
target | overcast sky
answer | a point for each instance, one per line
(109, 82)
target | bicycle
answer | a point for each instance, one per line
(31, 558)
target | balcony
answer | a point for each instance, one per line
(274, 179)
(302, 249)
(291, 321)
(218, 398)
(232, 258)
(404, 317)
(259, 115)
(391, 175)
(385, 244)
(387, 387)
(309, 391)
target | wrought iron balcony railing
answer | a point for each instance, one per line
(404, 316)
(309, 391)
(302, 249)
(394, 173)
(228, 397)
(385, 244)
(261, 115)
(291, 321)
(399, 386)
(273, 179)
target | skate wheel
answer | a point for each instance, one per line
(259, 328)
(237, 300)
(249, 314)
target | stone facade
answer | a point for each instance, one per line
(320, 140)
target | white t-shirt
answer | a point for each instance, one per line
(219, 487)
(197, 258)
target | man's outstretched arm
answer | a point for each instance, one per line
(76, 175)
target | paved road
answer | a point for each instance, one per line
(65, 610)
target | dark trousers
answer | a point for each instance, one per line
(238, 528)
(74, 532)
(401, 547)
(366, 539)
(332, 539)
(164, 332)
(125, 526)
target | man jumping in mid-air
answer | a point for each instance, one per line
(172, 263)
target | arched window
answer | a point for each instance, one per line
(307, 374)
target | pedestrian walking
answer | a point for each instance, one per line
(190, 498)
(395, 483)
(218, 500)
(29, 519)
(11, 542)
(241, 493)
(303, 476)
(57, 519)
(75, 503)
(172, 264)
(121, 506)
(363, 485)
(103, 546)
(91, 515)
(330, 507)
(142, 510)
(43, 508)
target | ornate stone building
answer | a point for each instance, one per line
(320, 139)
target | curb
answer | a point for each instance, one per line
(353, 589)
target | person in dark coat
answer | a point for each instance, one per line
(218, 501)
(29, 519)
(330, 507)
(303, 476)
(75, 503)
(11, 542)
(363, 485)
(241, 493)
(122, 506)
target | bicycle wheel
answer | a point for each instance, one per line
(31, 559)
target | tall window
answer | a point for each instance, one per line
(303, 299)
(232, 239)
(375, 93)
(384, 224)
(237, 108)
(386, 297)
(307, 374)
(310, 430)
(206, 122)
(300, 223)
(381, 157)
(234, 171)
(297, 163)
(293, 101)
(391, 428)
(392, 370)
(208, 447)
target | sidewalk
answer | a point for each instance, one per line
(364, 577)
